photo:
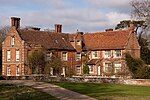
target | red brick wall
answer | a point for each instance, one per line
(19, 45)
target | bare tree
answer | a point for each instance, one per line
(141, 11)
(4, 30)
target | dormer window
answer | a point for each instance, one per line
(64, 56)
(78, 42)
(94, 54)
(108, 54)
(12, 41)
(117, 53)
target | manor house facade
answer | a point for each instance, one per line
(103, 52)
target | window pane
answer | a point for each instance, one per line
(78, 56)
(117, 67)
(117, 53)
(48, 56)
(8, 70)
(91, 69)
(17, 55)
(108, 67)
(78, 69)
(78, 42)
(17, 70)
(64, 56)
(8, 55)
(12, 41)
(94, 54)
(107, 54)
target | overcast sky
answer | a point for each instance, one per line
(84, 15)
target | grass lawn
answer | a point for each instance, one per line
(17, 92)
(109, 91)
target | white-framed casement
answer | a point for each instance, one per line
(8, 55)
(117, 67)
(91, 69)
(78, 56)
(3, 70)
(107, 54)
(8, 70)
(17, 71)
(51, 71)
(64, 56)
(117, 54)
(12, 42)
(95, 55)
(78, 70)
(48, 56)
(78, 42)
(17, 55)
(107, 67)
(63, 71)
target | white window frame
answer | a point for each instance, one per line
(78, 56)
(8, 71)
(8, 55)
(91, 69)
(63, 71)
(66, 56)
(17, 55)
(117, 66)
(51, 71)
(12, 40)
(106, 67)
(3, 69)
(78, 42)
(106, 52)
(48, 56)
(17, 71)
(78, 68)
(115, 54)
(94, 53)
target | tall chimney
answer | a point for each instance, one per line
(15, 22)
(108, 30)
(58, 28)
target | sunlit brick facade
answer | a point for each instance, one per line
(103, 52)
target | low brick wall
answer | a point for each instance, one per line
(145, 82)
(81, 79)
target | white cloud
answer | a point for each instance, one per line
(114, 17)
(95, 16)
(109, 3)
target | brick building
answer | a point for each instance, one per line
(104, 51)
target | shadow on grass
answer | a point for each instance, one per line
(17, 92)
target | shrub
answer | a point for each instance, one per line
(137, 67)
(85, 69)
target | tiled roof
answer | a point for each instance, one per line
(49, 40)
(106, 40)
(93, 62)
(92, 41)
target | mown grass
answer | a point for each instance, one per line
(17, 92)
(109, 91)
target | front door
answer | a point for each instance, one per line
(99, 70)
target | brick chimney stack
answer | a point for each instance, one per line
(15, 22)
(58, 28)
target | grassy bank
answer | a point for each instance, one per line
(17, 92)
(109, 91)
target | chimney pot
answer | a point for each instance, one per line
(58, 28)
(15, 21)
(108, 30)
